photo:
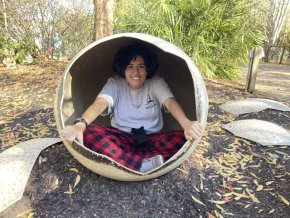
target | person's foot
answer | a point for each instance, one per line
(151, 163)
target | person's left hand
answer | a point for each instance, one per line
(192, 130)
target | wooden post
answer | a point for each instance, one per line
(255, 55)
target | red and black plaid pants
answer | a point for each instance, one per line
(122, 146)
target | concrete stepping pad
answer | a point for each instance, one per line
(15, 166)
(251, 105)
(262, 132)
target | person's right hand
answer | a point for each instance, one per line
(70, 133)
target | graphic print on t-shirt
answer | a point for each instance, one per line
(150, 102)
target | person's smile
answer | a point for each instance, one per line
(136, 73)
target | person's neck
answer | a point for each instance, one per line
(135, 88)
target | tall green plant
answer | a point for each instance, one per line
(217, 34)
(18, 49)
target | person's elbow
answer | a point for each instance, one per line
(101, 103)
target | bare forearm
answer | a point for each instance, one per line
(176, 111)
(192, 129)
(95, 110)
(70, 133)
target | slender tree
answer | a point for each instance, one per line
(277, 13)
(25, 23)
(276, 17)
(5, 16)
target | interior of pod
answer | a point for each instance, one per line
(89, 72)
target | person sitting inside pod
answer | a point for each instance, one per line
(134, 99)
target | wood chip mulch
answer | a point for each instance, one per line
(226, 177)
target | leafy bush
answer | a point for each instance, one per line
(216, 34)
(18, 49)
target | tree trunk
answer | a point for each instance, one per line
(267, 48)
(5, 16)
(277, 14)
(104, 12)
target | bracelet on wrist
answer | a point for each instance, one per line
(81, 120)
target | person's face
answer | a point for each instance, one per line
(135, 73)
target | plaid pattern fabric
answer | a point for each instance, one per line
(122, 146)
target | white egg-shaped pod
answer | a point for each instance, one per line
(90, 69)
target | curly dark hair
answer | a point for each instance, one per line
(129, 52)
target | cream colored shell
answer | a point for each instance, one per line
(89, 70)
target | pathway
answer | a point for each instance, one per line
(273, 79)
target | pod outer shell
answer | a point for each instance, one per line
(87, 73)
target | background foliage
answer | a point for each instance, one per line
(216, 34)
(55, 27)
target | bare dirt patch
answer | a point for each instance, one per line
(273, 80)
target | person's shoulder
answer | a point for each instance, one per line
(116, 79)
(156, 78)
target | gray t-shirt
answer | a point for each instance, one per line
(132, 108)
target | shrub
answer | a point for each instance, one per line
(18, 49)
(216, 34)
